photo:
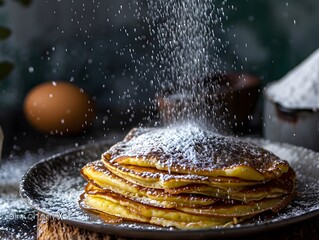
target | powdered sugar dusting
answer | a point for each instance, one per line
(57, 184)
(17, 219)
(190, 147)
(299, 89)
(306, 165)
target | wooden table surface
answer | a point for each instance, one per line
(49, 228)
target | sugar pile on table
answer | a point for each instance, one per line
(299, 89)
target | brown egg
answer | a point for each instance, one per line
(59, 108)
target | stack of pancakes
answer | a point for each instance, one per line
(186, 177)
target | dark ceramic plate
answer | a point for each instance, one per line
(53, 186)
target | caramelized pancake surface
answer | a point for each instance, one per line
(190, 149)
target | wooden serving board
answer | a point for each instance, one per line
(50, 228)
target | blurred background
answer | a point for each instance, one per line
(105, 47)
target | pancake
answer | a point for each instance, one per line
(188, 149)
(102, 179)
(111, 203)
(151, 177)
(189, 195)
(219, 209)
(238, 209)
(186, 177)
(272, 189)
